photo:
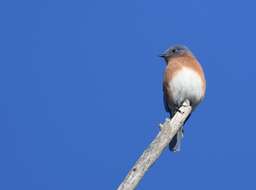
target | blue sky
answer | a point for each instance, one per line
(81, 93)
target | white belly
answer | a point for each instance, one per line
(186, 84)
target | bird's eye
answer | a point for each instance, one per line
(174, 50)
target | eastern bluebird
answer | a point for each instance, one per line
(183, 79)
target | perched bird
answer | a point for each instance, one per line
(183, 79)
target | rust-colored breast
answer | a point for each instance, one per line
(174, 65)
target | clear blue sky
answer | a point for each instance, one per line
(81, 93)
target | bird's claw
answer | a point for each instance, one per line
(178, 110)
(186, 103)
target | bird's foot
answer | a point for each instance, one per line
(178, 110)
(186, 103)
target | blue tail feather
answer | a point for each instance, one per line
(175, 143)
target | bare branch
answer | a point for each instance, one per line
(152, 153)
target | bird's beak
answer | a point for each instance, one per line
(162, 55)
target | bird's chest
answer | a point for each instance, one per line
(186, 84)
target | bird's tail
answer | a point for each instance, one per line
(175, 143)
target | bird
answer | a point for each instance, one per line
(183, 79)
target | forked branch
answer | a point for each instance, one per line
(152, 153)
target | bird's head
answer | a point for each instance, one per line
(175, 51)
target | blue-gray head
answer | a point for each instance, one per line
(175, 51)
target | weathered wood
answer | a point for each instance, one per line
(152, 153)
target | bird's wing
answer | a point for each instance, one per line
(166, 106)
